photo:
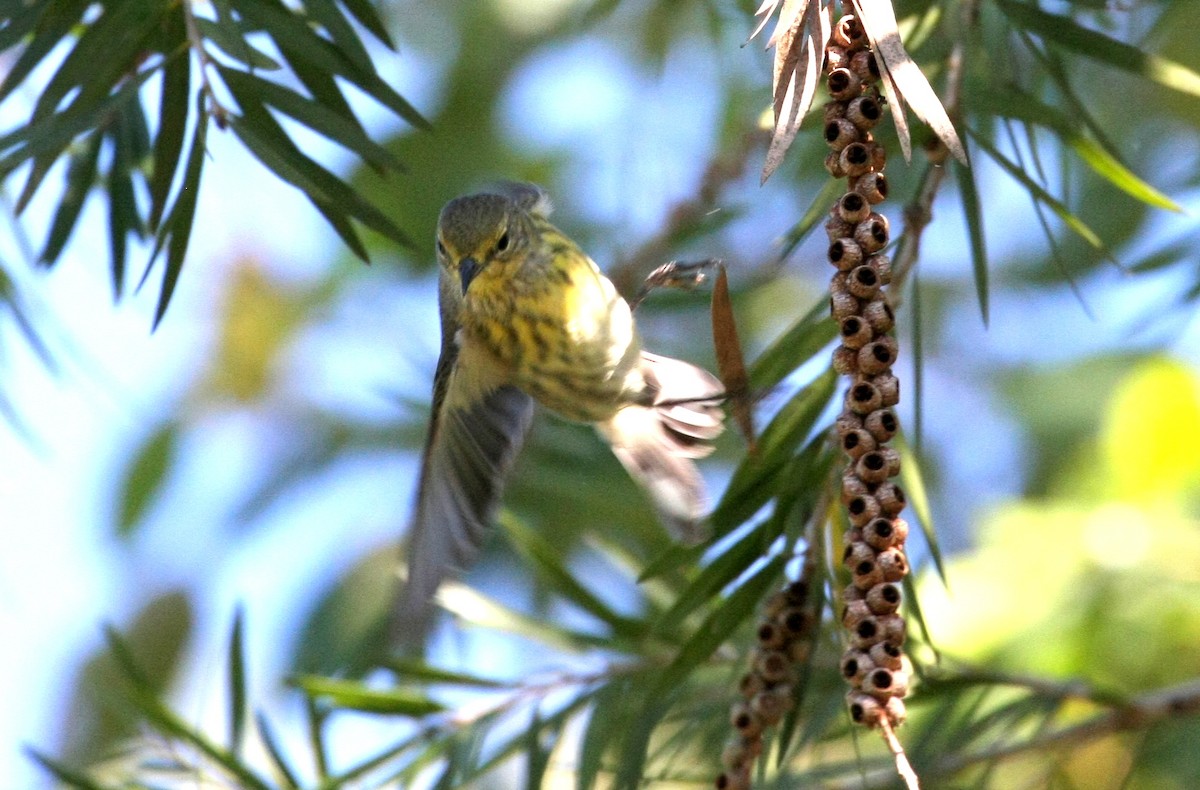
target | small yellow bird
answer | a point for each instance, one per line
(527, 316)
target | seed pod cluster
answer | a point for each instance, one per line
(874, 664)
(784, 637)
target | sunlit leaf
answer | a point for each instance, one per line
(146, 475)
(735, 610)
(356, 696)
(1067, 33)
(1039, 193)
(798, 344)
(752, 483)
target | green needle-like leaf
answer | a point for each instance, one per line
(1069, 34)
(973, 214)
(355, 696)
(81, 174)
(1039, 193)
(237, 683)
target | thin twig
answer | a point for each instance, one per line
(903, 767)
(720, 171)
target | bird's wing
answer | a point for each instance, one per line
(468, 454)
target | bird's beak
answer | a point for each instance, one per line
(467, 269)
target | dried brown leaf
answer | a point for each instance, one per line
(903, 78)
(799, 55)
(764, 12)
(731, 364)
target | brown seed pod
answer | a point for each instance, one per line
(857, 443)
(843, 304)
(745, 721)
(872, 467)
(854, 613)
(840, 132)
(864, 397)
(878, 313)
(833, 110)
(795, 621)
(835, 58)
(853, 487)
(892, 564)
(853, 208)
(770, 636)
(845, 361)
(877, 356)
(855, 158)
(882, 265)
(838, 228)
(750, 684)
(889, 389)
(863, 64)
(843, 83)
(863, 510)
(862, 281)
(844, 253)
(771, 704)
(892, 629)
(865, 709)
(891, 498)
(884, 598)
(886, 655)
(881, 424)
(884, 533)
(855, 665)
(833, 164)
(856, 333)
(848, 33)
(867, 632)
(882, 683)
(873, 186)
(864, 111)
(773, 665)
(872, 233)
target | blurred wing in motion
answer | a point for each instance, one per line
(468, 455)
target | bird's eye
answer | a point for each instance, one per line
(502, 242)
(441, 248)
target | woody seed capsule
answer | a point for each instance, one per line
(845, 254)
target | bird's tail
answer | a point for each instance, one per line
(659, 442)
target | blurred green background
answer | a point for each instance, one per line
(260, 448)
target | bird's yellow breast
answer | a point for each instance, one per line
(557, 329)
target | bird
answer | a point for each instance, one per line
(527, 317)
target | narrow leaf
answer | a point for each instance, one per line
(172, 126)
(271, 744)
(798, 344)
(737, 609)
(145, 477)
(1069, 34)
(355, 696)
(237, 683)
(974, 217)
(81, 175)
(62, 773)
(1040, 194)
(178, 225)
(752, 483)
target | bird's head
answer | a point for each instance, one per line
(477, 230)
